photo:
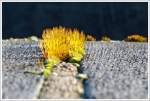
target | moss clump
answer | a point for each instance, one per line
(90, 38)
(61, 44)
(105, 38)
(136, 38)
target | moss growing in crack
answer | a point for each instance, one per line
(61, 44)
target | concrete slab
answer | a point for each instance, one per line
(116, 70)
(20, 56)
(16, 59)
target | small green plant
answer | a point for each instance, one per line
(136, 38)
(61, 44)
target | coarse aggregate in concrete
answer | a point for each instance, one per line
(22, 55)
(16, 59)
(116, 70)
(62, 83)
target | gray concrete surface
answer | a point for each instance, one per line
(116, 70)
(16, 59)
(62, 83)
(21, 55)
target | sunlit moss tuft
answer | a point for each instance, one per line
(61, 44)
(90, 38)
(136, 38)
(105, 38)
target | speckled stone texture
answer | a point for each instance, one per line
(116, 70)
(18, 57)
(62, 83)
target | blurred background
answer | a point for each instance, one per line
(116, 20)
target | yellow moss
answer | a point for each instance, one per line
(60, 44)
(136, 38)
(105, 38)
(90, 38)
